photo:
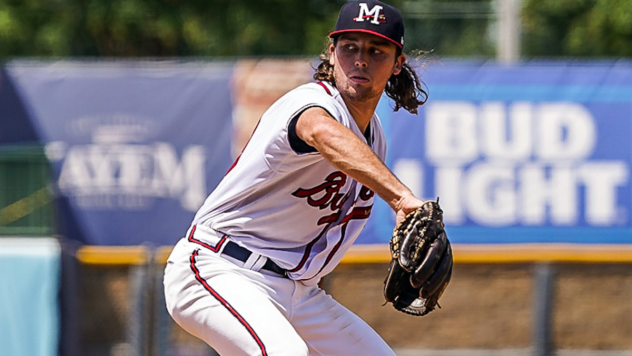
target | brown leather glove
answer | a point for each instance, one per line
(421, 264)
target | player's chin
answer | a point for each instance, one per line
(361, 92)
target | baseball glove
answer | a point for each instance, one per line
(421, 261)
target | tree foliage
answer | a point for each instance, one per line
(164, 28)
(229, 28)
(577, 28)
(206, 28)
(451, 28)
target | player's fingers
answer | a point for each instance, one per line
(429, 264)
(440, 276)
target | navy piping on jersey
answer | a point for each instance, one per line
(367, 132)
(301, 147)
(296, 143)
(226, 305)
(367, 135)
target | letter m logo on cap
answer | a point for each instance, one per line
(366, 13)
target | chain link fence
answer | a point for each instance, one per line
(495, 308)
(26, 197)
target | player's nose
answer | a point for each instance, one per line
(360, 63)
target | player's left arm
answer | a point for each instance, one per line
(347, 152)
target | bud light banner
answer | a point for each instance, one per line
(135, 146)
(532, 153)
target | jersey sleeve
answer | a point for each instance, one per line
(307, 96)
(296, 143)
(302, 99)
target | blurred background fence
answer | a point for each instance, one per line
(563, 302)
(90, 96)
(26, 199)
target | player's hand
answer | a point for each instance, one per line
(405, 205)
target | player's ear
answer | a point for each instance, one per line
(399, 63)
(332, 51)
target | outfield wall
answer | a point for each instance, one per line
(534, 153)
(531, 163)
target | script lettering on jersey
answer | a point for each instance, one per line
(366, 193)
(326, 194)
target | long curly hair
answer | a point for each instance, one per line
(406, 89)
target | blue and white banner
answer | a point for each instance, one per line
(532, 153)
(539, 152)
(135, 146)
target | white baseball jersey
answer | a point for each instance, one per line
(290, 206)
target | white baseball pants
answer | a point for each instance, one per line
(244, 312)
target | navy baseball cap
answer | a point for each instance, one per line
(371, 16)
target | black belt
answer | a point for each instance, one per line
(239, 253)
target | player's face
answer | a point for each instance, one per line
(363, 63)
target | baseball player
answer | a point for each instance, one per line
(245, 277)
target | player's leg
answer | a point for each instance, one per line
(330, 329)
(227, 306)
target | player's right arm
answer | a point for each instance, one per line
(347, 152)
